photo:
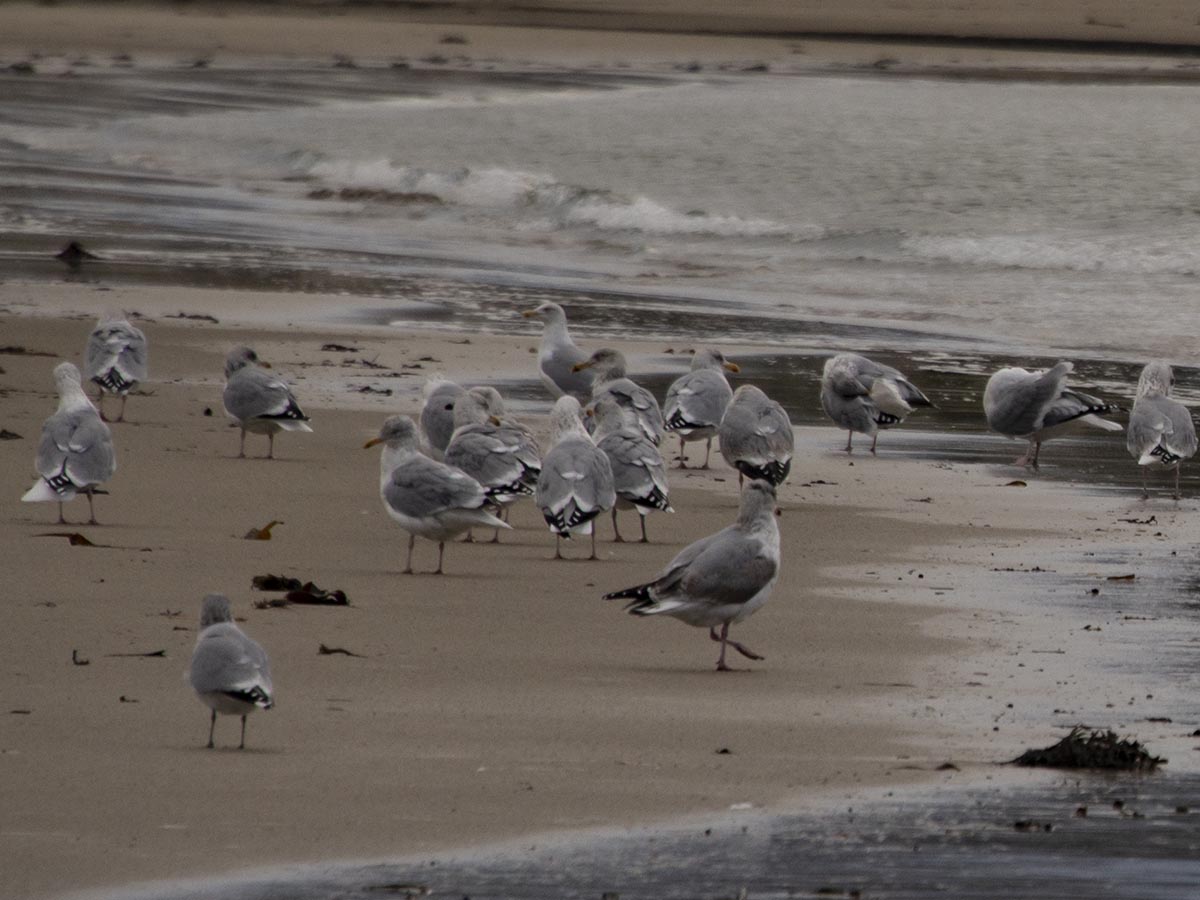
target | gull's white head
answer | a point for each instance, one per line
(711, 358)
(1157, 379)
(757, 503)
(607, 363)
(397, 432)
(549, 313)
(65, 375)
(215, 609)
(565, 418)
(240, 358)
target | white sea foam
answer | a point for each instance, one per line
(1071, 253)
(541, 196)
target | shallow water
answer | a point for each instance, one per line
(1024, 218)
(1078, 837)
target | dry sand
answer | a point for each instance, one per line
(504, 698)
(978, 39)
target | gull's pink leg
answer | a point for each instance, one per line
(617, 539)
(412, 540)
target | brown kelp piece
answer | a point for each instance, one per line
(1085, 748)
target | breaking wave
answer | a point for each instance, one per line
(537, 197)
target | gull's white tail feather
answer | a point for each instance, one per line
(43, 493)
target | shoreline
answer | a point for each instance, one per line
(859, 646)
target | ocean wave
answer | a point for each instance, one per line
(541, 197)
(1119, 253)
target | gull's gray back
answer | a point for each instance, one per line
(422, 488)
(78, 444)
(252, 392)
(116, 356)
(225, 659)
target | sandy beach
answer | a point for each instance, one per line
(505, 699)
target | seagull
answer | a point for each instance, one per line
(559, 355)
(756, 436)
(502, 457)
(426, 497)
(639, 474)
(230, 672)
(1039, 406)
(862, 395)
(611, 381)
(260, 402)
(720, 579)
(1161, 429)
(576, 483)
(696, 402)
(437, 415)
(75, 454)
(116, 359)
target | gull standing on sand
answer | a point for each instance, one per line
(1039, 406)
(611, 381)
(115, 359)
(75, 454)
(720, 579)
(639, 474)
(261, 403)
(1161, 429)
(558, 355)
(576, 483)
(230, 672)
(437, 415)
(503, 458)
(862, 395)
(426, 497)
(696, 402)
(756, 436)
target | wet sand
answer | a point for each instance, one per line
(504, 698)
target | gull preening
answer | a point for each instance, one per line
(229, 672)
(426, 497)
(260, 402)
(756, 436)
(75, 454)
(115, 359)
(639, 474)
(558, 355)
(503, 457)
(576, 482)
(437, 415)
(696, 402)
(721, 579)
(1039, 405)
(862, 395)
(1161, 430)
(611, 381)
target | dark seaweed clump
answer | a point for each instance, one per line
(1087, 749)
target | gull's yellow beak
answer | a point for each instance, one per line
(495, 420)
(579, 367)
(372, 442)
(732, 367)
(263, 364)
(530, 313)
